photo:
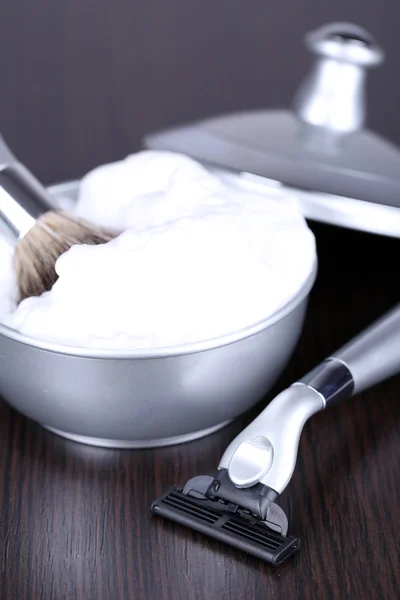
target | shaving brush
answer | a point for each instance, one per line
(42, 233)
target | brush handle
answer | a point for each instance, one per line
(22, 197)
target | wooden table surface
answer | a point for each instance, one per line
(75, 520)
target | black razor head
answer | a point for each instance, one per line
(226, 523)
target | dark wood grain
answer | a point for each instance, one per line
(75, 520)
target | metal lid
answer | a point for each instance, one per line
(342, 173)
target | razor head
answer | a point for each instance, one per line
(227, 523)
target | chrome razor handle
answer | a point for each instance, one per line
(266, 451)
(370, 357)
(374, 355)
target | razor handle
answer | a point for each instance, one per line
(368, 359)
(266, 450)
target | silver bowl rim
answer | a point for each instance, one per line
(162, 351)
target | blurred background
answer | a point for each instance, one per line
(83, 80)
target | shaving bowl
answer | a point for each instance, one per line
(152, 397)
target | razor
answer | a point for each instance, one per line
(239, 504)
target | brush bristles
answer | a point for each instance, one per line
(37, 252)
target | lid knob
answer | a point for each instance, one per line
(345, 42)
(332, 95)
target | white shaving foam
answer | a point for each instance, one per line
(198, 258)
